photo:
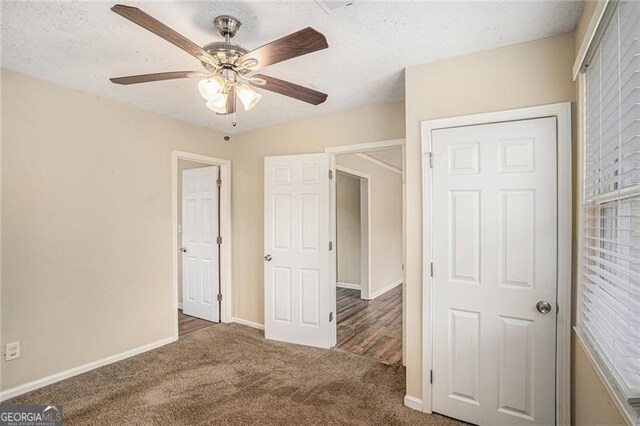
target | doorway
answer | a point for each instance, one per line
(201, 241)
(300, 262)
(497, 250)
(369, 258)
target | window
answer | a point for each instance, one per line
(609, 321)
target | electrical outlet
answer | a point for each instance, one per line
(12, 351)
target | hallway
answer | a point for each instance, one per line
(371, 328)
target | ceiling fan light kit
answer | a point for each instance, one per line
(229, 66)
(218, 105)
(211, 88)
(247, 96)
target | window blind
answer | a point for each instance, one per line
(610, 312)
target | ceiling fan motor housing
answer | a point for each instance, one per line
(226, 52)
(227, 25)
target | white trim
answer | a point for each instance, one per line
(225, 231)
(562, 112)
(248, 323)
(333, 254)
(589, 36)
(350, 286)
(180, 305)
(383, 290)
(622, 405)
(377, 162)
(365, 230)
(353, 172)
(581, 118)
(413, 402)
(369, 146)
(53, 378)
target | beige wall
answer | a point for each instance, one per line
(183, 165)
(385, 215)
(521, 75)
(348, 228)
(86, 225)
(592, 404)
(313, 135)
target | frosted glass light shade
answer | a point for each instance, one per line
(218, 105)
(248, 96)
(211, 88)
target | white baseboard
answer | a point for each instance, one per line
(413, 402)
(180, 305)
(350, 286)
(249, 323)
(386, 289)
(36, 384)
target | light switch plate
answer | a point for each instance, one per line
(12, 351)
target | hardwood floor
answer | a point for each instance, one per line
(187, 324)
(371, 328)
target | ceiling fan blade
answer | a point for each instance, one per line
(146, 78)
(291, 90)
(296, 44)
(150, 23)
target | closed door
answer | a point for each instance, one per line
(298, 283)
(199, 243)
(494, 236)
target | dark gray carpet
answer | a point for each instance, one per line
(229, 374)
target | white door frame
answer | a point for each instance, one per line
(365, 229)
(378, 146)
(562, 112)
(225, 230)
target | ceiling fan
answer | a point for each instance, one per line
(229, 67)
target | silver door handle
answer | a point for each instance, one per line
(268, 258)
(183, 249)
(543, 307)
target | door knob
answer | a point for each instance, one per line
(183, 249)
(268, 258)
(543, 307)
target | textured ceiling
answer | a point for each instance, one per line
(390, 157)
(82, 44)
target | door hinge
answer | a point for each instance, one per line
(431, 376)
(219, 297)
(431, 269)
(219, 240)
(330, 316)
(330, 245)
(219, 183)
(330, 174)
(431, 160)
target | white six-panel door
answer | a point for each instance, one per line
(297, 270)
(199, 243)
(494, 238)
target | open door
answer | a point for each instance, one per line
(200, 249)
(299, 258)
